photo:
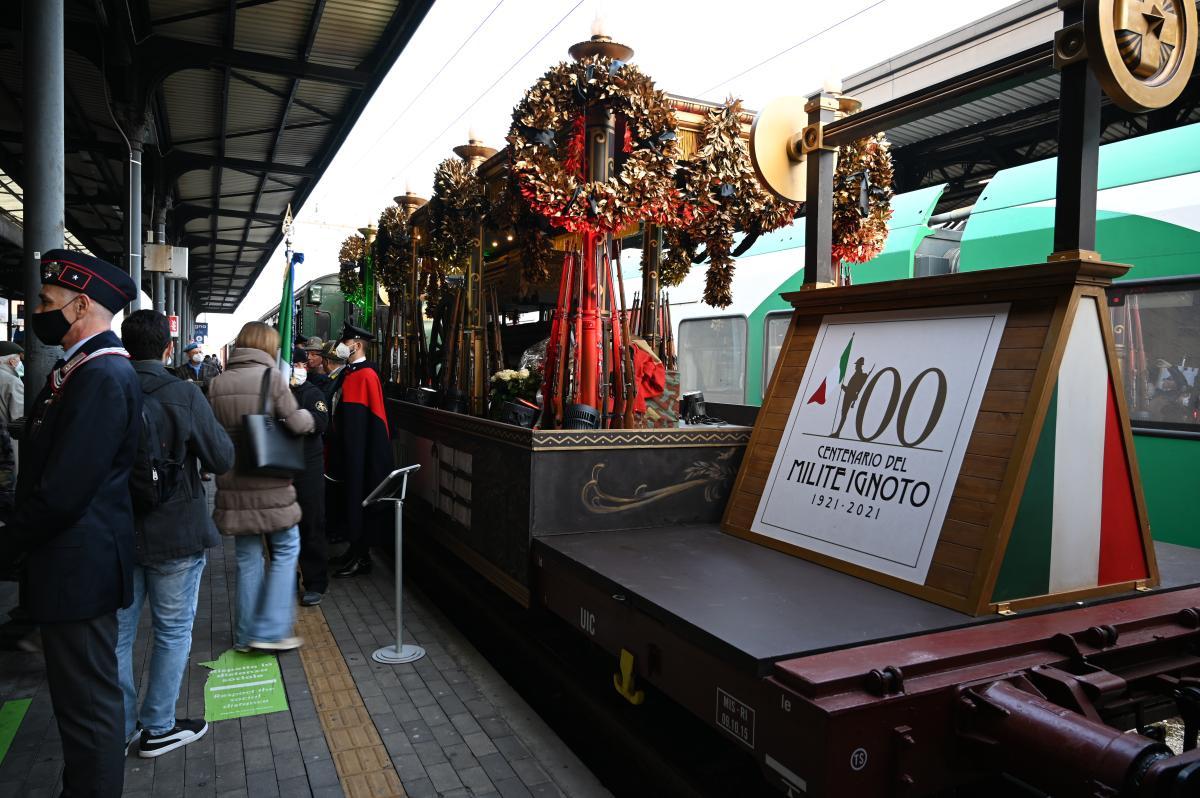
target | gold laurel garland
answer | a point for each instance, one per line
(547, 147)
(393, 249)
(862, 199)
(721, 197)
(350, 260)
(455, 213)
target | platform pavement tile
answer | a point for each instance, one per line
(296, 787)
(398, 695)
(420, 788)
(287, 765)
(481, 708)
(406, 712)
(497, 767)
(199, 772)
(278, 721)
(451, 704)
(387, 722)
(529, 771)
(412, 681)
(465, 724)
(352, 737)
(430, 752)
(496, 727)
(421, 697)
(285, 742)
(511, 747)
(433, 715)
(230, 779)
(228, 752)
(397, 743)
(308, 728)
(467, 692)
(475, 778)
(409, 767)
(321, 774)
(513, 788)
(480, 744)
(362, 760)
(446, 735)
(263, 784)
(418, 731)
(328, 791)
(547, 789)
(460, 756)
(259, 759)
(443, 776)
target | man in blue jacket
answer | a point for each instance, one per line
(171, 536)
(72, 525)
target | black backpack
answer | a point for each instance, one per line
(155, 476)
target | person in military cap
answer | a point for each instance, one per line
(310, 483)
(72, 525)
(195, 368)
(334, 356)
(358, 451)
(314, 362)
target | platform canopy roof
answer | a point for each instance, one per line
(1011, 123)
(243, 104)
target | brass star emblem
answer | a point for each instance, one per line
(1147, 34)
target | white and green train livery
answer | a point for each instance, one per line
(1148, 216)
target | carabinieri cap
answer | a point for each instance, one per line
(98, 279)
(350, 331)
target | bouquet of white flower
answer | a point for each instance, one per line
(511, 384)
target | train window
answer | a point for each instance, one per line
(774, 331)
(1156, 329)
(712, 358)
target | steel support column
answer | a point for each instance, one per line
(45, 168)
(818, 212)
(133, 217)
(1078, 154)
(158, 287)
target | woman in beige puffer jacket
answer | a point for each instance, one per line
(251, 507)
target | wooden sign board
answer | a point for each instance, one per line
(962, 438)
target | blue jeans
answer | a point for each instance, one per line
(173, 587)
(265, 601)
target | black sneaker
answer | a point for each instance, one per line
(135, 739)
(185, 731)
(311, 598)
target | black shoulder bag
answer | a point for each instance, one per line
(272, 451)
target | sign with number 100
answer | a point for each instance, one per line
(877, 433)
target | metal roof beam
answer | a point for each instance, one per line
(274, 92)
(206, 12)
(213, 243)
(171, 55)
(246, 133)
(181, 161)
(188, 211)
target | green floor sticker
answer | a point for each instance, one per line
(11, 715)
(243, 684)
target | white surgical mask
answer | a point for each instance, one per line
(197, 357)
(20, 370)
(342, 351)
(299, 376)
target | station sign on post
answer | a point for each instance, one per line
(174, 322)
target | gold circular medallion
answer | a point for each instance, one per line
(775, 163)
(1142, 51)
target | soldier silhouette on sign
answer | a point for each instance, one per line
(850, 392)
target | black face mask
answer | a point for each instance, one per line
(51, 326)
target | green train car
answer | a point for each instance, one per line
(321, 309)
(1148, 216)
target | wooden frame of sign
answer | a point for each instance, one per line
(1026, 522)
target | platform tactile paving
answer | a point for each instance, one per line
(362, 761)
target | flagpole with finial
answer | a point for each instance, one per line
(287, 301)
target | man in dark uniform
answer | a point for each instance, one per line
(72, 526)
(310, 484)
(195, 368)
(358, 452)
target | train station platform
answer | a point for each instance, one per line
(447, 725)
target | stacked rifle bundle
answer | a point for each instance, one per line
(462, 350)
(657, 330)
(590, 312)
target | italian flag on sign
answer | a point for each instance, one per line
(1077, 523)
(836, 375)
